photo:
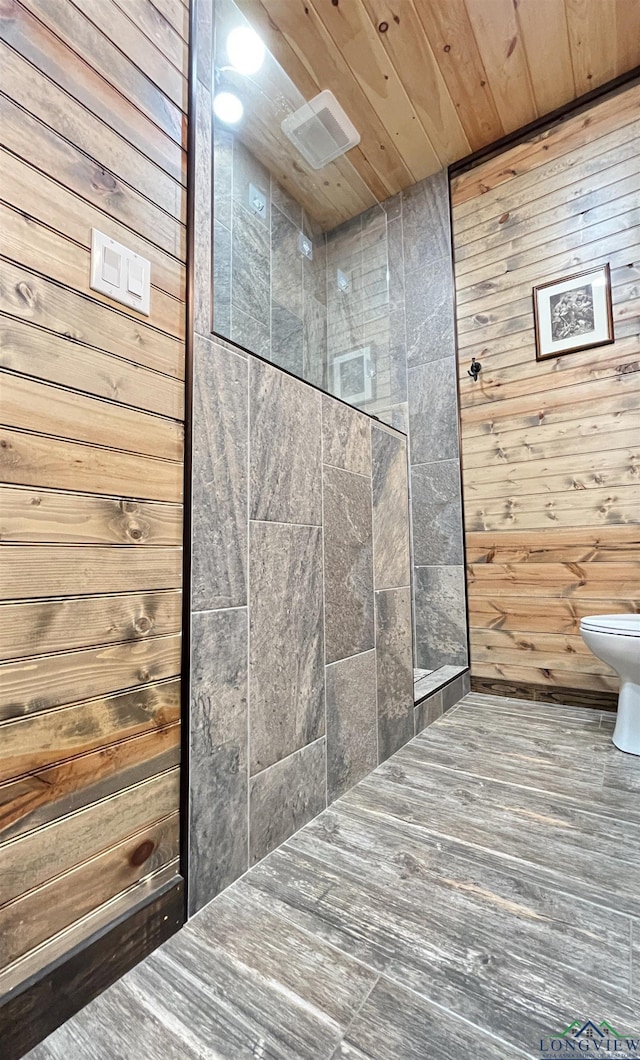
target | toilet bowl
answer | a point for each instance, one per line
(616, 640)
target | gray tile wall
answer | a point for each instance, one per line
(268, 296)
(425, 403)
(348, 549)
(302, 669)
(301, 655)
(400, 303)
(414, 388)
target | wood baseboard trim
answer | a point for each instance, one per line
(35, 1009)
(567, 696)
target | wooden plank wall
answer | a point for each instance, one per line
(92, 134)
(550, 450)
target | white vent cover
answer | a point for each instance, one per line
(321, 130)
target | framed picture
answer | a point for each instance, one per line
(573, 313)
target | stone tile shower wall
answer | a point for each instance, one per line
(400, 304)
(424, 402)
(269, 297)
(432, 406)
(301, 676)
(302, 670)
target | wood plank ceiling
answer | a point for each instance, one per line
(426, 82)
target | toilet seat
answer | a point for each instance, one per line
(620, 625)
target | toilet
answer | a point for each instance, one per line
(616, 640)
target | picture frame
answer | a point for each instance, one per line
(573, 313)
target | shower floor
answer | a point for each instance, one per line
(478, 892)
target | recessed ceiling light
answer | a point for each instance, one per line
(227, 108)
(245, 50)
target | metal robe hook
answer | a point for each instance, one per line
(475, 369)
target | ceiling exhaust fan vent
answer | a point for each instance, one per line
(321, 130)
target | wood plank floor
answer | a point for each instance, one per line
(476, 892)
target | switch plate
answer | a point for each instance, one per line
(257, 201)
(305, 246)
(119, 273)
(343, 280)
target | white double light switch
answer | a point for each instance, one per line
(119, 273)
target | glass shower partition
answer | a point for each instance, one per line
(308, 266)
(301, 273)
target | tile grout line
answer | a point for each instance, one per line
(216, 610)
(299, 226)
(500, 856)
(631, 961)
(356, 655)
(373, 583)
(410, 490)
(531, 708)
(440, 460)
(589, 809)
(273, 765)
(456, 1015)
(380, 975)
(583, 808)
(212, 308)
(248, 513)
(506, 706)
(279, 522)
(324, 611)
(360, 1007)
(270, 235)
(392, 588)
(513, 722)
(349, 470)
(285, 913)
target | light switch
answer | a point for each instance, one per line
(111, 262)
(120, 273)
(135, 279)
